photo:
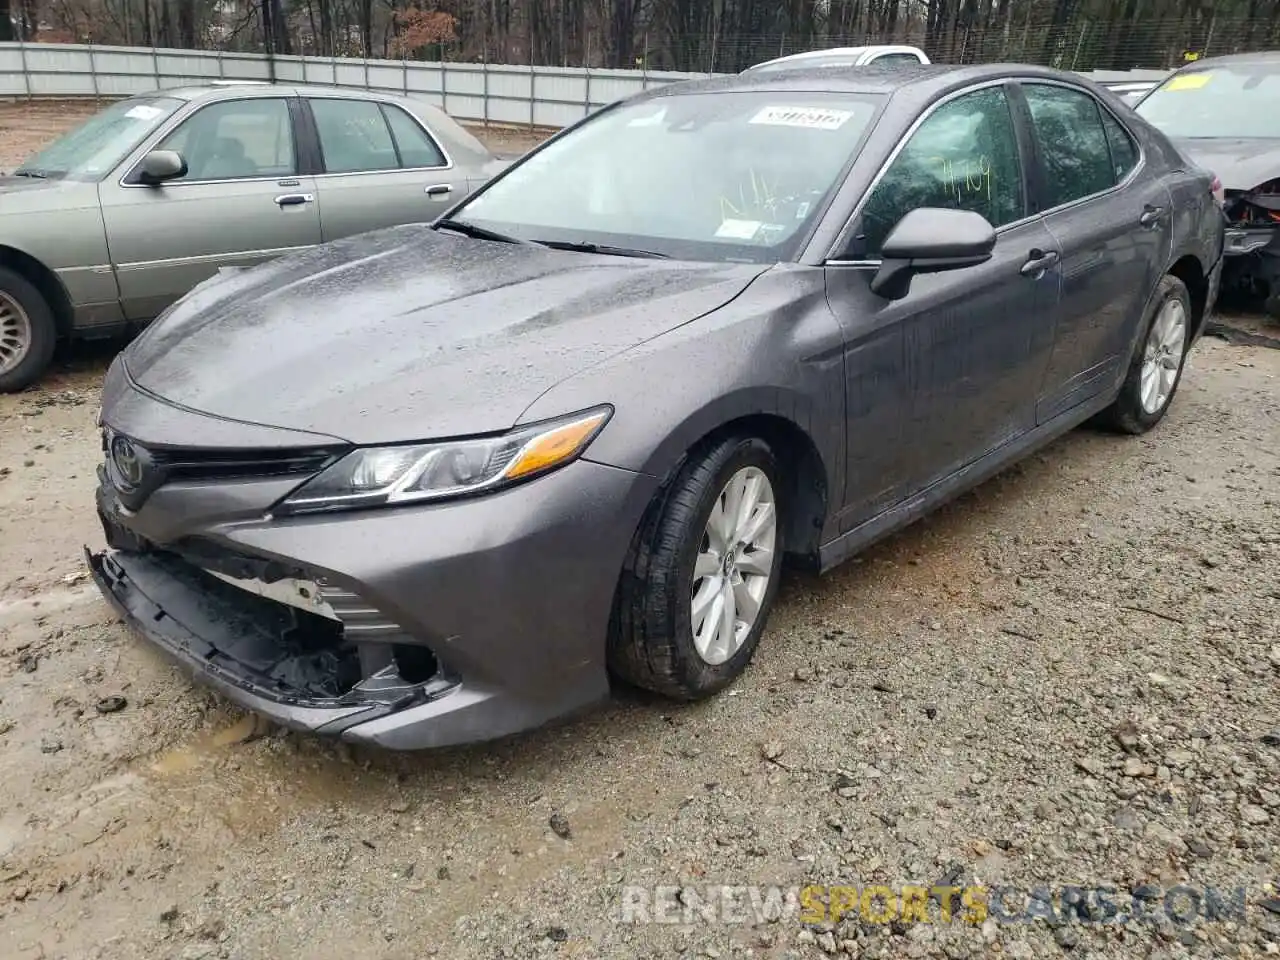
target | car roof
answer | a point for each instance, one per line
(248, 89)
(923, 80)
(841, 52)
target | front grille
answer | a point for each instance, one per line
(196, 464)
(136, 471)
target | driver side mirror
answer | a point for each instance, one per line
(931, 240)
(161, 165)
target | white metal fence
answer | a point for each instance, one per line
(488, 93)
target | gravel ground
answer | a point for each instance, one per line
(1068, 677)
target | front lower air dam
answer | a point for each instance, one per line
(307, 654)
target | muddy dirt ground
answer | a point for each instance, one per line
(1068, 676)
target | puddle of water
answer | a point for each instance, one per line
(206, 747)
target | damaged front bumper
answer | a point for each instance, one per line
(231, 643)
(1251, 251)
(414, 628)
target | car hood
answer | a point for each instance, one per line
(11, 184)
(1240, 164)
(26, 195)
(407, 333)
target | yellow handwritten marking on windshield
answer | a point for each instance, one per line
(1188, 81)
(968, 176)
(762, 199)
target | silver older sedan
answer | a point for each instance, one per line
(117, 219)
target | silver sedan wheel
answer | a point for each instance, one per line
(15, 333)
(735, 563)
(1162, 356)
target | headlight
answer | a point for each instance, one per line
(375, 476)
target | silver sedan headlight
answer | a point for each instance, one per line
(377, 476)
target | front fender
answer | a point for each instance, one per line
(61, 229)
(775, 350)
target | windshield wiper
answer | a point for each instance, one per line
(33, 174)
(603, 248)
(476, 232)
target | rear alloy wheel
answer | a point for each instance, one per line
(1162, 356)
(1156, 368)
(702, 574)
(27, 332)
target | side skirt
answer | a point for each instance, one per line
(908, 511)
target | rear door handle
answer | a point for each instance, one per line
(439, 190)
(1151, 216)
(1038, 262)
(293, 199)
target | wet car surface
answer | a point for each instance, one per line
(561, 438)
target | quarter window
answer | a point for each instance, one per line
(964, 157)
(416, 148)
(1074, 154)
(236, 139)
(1124, 152)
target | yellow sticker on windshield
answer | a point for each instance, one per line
(1188, 81)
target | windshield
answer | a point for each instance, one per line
(93, 149)
(1235, 101)
(704, 176)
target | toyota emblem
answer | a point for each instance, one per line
(127, 461)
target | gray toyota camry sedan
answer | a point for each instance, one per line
(441, 483)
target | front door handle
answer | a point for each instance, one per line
(1151, 216)
(293, 199)
(1038, 262)
(439, 190)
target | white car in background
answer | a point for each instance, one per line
(845, 57)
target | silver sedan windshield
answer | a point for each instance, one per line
(93, 149)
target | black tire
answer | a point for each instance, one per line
(1127, 414)
(651, 642)
(44, 331)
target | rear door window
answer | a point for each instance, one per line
(354, 136)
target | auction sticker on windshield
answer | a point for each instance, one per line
(143, 112)
(738, 229)
(1189, 81)
(814, 118)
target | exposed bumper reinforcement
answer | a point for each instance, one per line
(165, 613)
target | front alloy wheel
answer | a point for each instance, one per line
(735, 565)
(28, 332)
(702, 572)
(15, 333)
